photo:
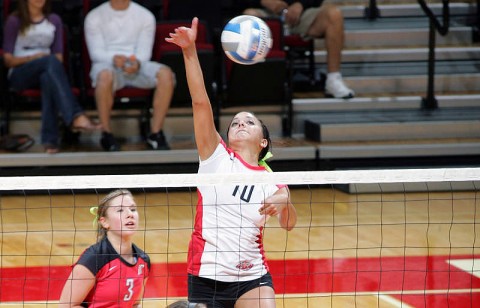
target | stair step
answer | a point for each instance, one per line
(407, 68)
(381, 131)
(403, 54)
(321, 105)
(393, 125)
(385, 150)
(401, 37)
(412, 84)
(308, 108)
(383, 81)
(408, 9)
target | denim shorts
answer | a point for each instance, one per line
(216, 293)
(145, 78)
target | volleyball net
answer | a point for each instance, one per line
(367, 238)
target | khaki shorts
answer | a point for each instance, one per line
(146, 78)
(306, 19)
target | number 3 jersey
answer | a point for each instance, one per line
(118, 283)
(226, 243)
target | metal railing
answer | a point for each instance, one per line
(372, 12)
(430, 102)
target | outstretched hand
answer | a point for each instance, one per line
(184, 37)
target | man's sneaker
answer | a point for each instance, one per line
(109, 143)
(335, 87)
(157, 141)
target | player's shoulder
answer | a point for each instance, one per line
(97, 255)
(98, 247)
(141, 254)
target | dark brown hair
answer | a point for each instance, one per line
(24, 15)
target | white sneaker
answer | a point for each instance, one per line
(335, 87)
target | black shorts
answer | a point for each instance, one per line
(216, 293)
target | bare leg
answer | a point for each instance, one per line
(255, 12)
(104, 98)
(262, 297)
(329, 24)
(162, 97)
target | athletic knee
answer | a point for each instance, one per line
(165, 78)
(333, 13)
(104, 79)
(254, 12)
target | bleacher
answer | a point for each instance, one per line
(393, 121)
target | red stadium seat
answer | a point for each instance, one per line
(171, 55)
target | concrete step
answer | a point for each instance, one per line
(305, 106)
(397, 78)
(327, 109)
(393, 125)
(369, 85)
(403, 9)
(400, 150)
(404, 54)
(374, 81)
(397, 35)
(406, 68)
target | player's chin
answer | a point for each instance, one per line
(242, 135)
(129, 229)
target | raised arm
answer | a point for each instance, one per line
(206, 135)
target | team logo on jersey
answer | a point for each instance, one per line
(140, 269)
(244, 265)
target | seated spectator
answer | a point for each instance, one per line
(33, 52)
(120, 36)
(311, 19)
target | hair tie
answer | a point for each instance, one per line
(263, 161)
(94, 212)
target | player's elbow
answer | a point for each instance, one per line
(289, 218)
(290, 225)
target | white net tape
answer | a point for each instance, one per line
(192, 180)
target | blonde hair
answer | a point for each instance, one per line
(102, 210)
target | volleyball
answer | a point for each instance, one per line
(246, 39)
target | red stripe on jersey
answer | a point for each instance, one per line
(240, 159)
(197, 243)
(262, 251)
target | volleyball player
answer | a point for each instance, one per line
(112, 272)
(226, 261)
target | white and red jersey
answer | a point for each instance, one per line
(227, 243)
(118, 283)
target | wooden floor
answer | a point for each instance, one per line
(393, 240)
